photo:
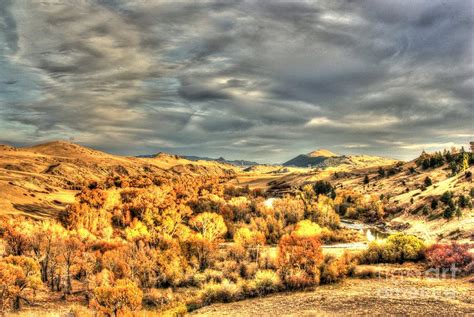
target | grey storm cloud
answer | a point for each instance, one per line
(261, 80)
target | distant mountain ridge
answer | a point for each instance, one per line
(221, 160)
(204, 158)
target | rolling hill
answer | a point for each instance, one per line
(323, 158)
(40, 180)
(313, 158)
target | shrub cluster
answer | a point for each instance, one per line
(397, 248)
(450, 256)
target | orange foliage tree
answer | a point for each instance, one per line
(118, 299)
(17, 274)
(299, 258)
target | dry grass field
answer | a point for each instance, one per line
(361, 297)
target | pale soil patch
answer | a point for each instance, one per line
(439, 229)
(379, 297)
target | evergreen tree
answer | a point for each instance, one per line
(381, 172)
(366, 179)
(448, 212)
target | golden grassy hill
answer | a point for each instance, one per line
(39, 181)
(266, 176)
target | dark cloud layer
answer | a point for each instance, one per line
(261, 80)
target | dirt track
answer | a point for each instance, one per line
(379, 297)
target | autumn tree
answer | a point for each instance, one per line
(298, 260)
(136, 231)
(210, 225)
(44, 239)
(88, 212)
(17, 243)
(291, 209)
(252, 241)
(118, 299)
(199, 251)
(17, 274)
(324, 213)
(170, 265)
(307, 228)
(117, 262)
(450, 256)
(324, 188)
(71, 252)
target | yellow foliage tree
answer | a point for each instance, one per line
(119, 299)
(17, 274)
(137, 231)
(251, 240)
(307, 228)
(210, 225)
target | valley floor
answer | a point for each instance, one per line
(374, 297)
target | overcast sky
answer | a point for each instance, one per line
(259, 80)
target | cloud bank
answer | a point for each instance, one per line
(258, 80)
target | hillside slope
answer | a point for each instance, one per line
(400, 186)
(411, 189)
(40, 180)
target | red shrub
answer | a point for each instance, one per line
(446, 255)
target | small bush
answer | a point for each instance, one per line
(446, 197)
(426, 210)
(266, 281)
(237, 252)
(373, 254)
(449, 212)
(158, 297)
(299, 279)
(224, 292)
(267, 260)
(333, 270)
(206, 277)
(231, 270)
(464, 202)
(248, 270)
(213, 276)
